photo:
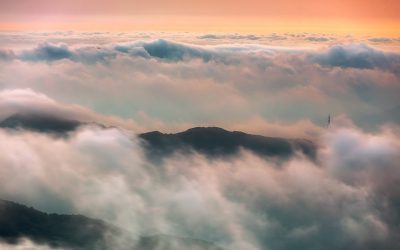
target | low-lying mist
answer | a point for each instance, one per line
(348, 198)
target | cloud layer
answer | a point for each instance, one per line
(180, 85)
(359, 57)
(347, 199)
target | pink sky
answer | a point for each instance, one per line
(358, 16)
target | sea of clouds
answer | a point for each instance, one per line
(168, 85)
(348, 198)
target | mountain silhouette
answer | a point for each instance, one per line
(40, 123)
(210, 141)
(70, 231)
(214, 141)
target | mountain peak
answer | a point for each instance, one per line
(215, 141)
(206, 129)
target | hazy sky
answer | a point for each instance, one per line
(357, 16)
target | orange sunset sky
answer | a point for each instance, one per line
(368, 17)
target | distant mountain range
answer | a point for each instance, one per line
(210, 141)
(80, 232)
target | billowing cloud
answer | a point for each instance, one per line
(357, 56)
(230, 36)
(110, 87)
(345, 199)
(184, 85)
(172, 51)
(380, 40)
(160, 49)
(47, 52)
(276, 37)
(317, 38)
(26, 103)
(6, 55)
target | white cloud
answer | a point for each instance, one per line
(242, 202)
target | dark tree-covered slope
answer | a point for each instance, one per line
(215, 141)
(80, 232)
(70, 231)
(40, 123)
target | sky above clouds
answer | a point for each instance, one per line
(360, 17)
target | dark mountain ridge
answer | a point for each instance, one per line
(214, 141)
(210, 141)
(67, 231)
(40, 123)
(80, 232)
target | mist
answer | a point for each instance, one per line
(346, 198)
(74, 107)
